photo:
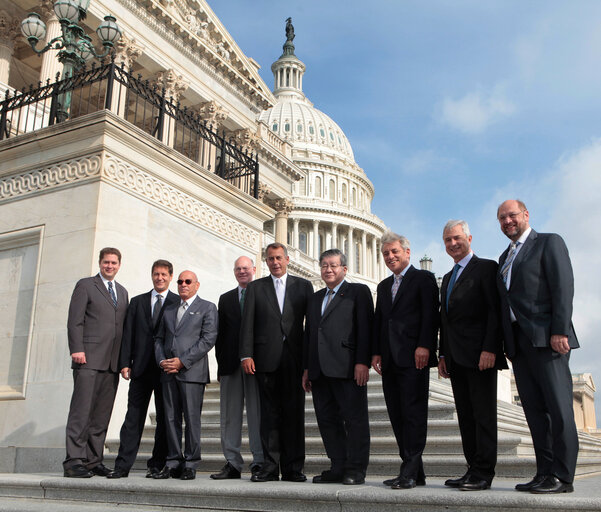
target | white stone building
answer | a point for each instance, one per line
(152, 181)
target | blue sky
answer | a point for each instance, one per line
(452, 107)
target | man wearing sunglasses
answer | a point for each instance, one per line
(186, 333)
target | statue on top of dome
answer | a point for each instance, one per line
(289, 30)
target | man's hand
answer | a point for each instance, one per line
(559, 343)
(306, 382)
(78, 357)
(125, 373)
(361, 374)
(173, 365)
(487, 360)
(421, 357)
(376, 364)
(442, 368)
(248, 365)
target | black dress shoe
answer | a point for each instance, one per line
(151, 472)
(353, 479)
(328, 477)
(295, 476)
(529, 485)
(188, 474)
(420, 482)
(390, 481)
(78, 471)
(473, 483)
(100, 470)
(167, 472)
(118, 473)
(264, 476)
(402, 482)
(552, 485)
(228, 471)
(255, 469)
(456, 482)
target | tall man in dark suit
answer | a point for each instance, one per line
(337, 357)
(471, 352)
(272, 346)
(94, 328)
(537, 288)
(236, 386)
(404, 347)
(187, 332)
(137, 363)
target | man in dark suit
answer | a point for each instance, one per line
(94, 329)
(236, 386)
(272, 346)
(137, 363)
(471, 352)
(536, 283)
(187, 332)
(404, 347)
(337, 357)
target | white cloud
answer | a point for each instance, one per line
(476, 111)
(425, 161)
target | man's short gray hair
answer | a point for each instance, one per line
(389, 238)
(456, 222)
(333, 252)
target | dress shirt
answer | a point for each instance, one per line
(520, 243)
(106, 285)
(463, 263)
(325, 297)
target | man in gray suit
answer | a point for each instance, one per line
(536, 283)
(94, 329)
(186, 333)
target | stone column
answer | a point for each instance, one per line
(295, 241)
(351, 250)
(126, 53)
(50, 64)
(374, 258)
(282, 207)
(174, 86)
(334, 236)
(316, 239)
(363, 254)
(9, 31)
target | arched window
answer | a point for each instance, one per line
(287, 127)
(299, 128)
(275, 127)
(320, 244)
(344, 194)
(332, 190)
(317, 186)
(311, 130)
(302, 241)
(354, 195)
(322, 132)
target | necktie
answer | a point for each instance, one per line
(330, 296)
(112, 294)
(508, 261)
(181, 311)
(452, 282)
(242, 294)
(279, 291)
(157, 309)
(395, 285)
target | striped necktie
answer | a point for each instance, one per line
(508, 261)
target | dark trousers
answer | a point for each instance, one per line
(89, 415)
(406, 394)
(182, 399)
(141, 389)
(283, 417)
(475, 395)
(341, 410)
(544, 382)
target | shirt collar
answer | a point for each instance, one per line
(283, 278)
(337, 287)
(189, 301)
(524, 236)
(465, 260)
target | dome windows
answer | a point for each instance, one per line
(274, 127)
(299, 128)
(311, 129)
(286, 127)
(322, 132)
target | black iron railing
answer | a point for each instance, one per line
(142, 104)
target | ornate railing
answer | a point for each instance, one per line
(142, 104)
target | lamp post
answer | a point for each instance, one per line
(75, 46)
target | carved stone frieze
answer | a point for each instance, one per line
(264, 191)
(127, 50)
(213, 113)
(9, 29)
(246, 139)
(173, 83)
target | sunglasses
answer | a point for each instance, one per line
(182, 281)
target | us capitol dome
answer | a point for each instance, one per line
(331, 203)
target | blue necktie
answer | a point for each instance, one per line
(452, 282)
(112, 294)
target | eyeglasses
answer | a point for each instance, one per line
(511, 216)
(332, 267)
(182, 281)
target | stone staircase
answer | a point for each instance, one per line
(443, 455)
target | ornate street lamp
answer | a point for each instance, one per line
(74, 45)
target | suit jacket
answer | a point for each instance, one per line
(341, 338)
(137, 347)
(472, 323)
(410, 322)
(540, 293)
(265, 329)
(227, 348)
(95, 325)
(190, 340)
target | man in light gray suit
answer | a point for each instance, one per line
(94, 329)
(187, 332)
(536, 284)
